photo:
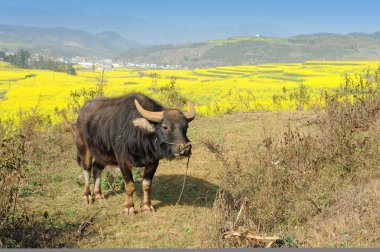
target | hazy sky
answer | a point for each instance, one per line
(299, 16)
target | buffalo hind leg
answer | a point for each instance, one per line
(149, 172)
(87, 167)
(97, 169)
(126, 170)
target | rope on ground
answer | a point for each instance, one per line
(184, 181)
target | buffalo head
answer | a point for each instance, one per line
(170, 127)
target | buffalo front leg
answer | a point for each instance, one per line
(149, 172)
(97, 169)
(129, 206)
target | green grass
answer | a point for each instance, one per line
(52, 192)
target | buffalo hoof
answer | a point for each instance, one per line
(87, 199)
(147, 208)
(100, 197)
(128, 211)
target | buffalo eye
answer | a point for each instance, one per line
(165, 127)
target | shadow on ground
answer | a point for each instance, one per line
(197, 192)
(167, 189)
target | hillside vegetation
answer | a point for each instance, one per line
(261, 50)
(64, 42)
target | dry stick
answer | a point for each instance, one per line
(319, 210)
(238, 235)
(87, 222)
(241, 209)
(264, 238)
(269, 245)
(230, 234)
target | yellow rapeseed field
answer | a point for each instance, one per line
(214, 90)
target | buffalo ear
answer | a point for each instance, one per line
(144, 124)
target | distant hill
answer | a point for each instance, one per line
(63, 41)
(132, 28)
(258, 50)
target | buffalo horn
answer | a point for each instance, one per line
(149, 115)
(191, 113)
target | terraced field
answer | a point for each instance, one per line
(215, 91)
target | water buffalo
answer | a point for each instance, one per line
(129, 131)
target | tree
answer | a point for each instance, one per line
(22, 58)
(71, 70)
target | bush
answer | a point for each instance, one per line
(12, 169)
(169, 95)
(24, 145)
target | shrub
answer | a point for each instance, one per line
(169, 95)
(12, 169)
(24, 145)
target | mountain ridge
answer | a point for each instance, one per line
(132, 28)
(243, 50)
(251, 50)
(62, 41)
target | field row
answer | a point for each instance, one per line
(214, 91)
